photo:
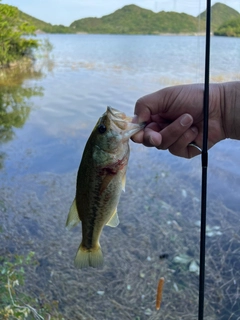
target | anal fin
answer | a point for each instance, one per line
(124, 182)
(114, 220)
(73, 218)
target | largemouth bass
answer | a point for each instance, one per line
(101, 178)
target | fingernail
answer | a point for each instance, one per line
(155, 139)
(194, 129)
(186, 120)
(152, 141)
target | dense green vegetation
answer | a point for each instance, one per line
(229, 29)
(13, 45)
(220, 14)
(132, 19)
(135, 20)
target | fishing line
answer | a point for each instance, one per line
(204, 164)
(200, 45)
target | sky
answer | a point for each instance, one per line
(66, 11)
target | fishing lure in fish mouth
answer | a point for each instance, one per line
(100, 180)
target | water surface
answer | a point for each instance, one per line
(46, 120)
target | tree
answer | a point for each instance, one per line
(13, 44)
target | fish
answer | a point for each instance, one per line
(101, 178)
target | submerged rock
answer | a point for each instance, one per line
(194, 267)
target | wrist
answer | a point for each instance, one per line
(230, 105)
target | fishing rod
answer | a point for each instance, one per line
(204, 164)
(204, 158)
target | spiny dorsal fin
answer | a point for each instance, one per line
(73, 218)
(114, 220)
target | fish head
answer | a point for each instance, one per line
(114, 128)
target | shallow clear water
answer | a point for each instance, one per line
(42, 143)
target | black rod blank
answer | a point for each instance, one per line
(204, 164)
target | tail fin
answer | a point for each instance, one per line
(88, 258)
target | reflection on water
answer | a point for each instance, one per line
(15, 100)
(159, 212)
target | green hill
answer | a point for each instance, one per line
(229, 29)
(44, 26)
(132, 19)
(220, 14)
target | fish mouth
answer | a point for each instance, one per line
(124, 123)
(131, 129)
(117, 115)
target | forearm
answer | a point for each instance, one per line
(230, 106)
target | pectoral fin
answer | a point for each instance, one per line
(73, 218)
(113, 221)
(106, 182)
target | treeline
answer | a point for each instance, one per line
(57, 29)
(132, 19)
(13, 46)
(229, 29)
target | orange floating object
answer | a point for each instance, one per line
(159, 293)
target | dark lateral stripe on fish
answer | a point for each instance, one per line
(87, 244)
(90, 230)
(92, 221)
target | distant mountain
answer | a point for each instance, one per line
(44, 26)
(220, 14)
(132, 19)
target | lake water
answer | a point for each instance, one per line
(46, 118)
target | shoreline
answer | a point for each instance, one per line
(195, 34)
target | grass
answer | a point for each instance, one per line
(15, 303)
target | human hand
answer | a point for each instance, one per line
(174, 119)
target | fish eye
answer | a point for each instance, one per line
(101, 128)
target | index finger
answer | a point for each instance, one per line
(146, 106)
